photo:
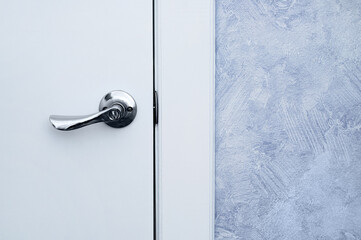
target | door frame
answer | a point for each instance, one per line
(185, 134)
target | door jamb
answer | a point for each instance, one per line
(185, 138)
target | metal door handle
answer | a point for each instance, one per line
(117, 109)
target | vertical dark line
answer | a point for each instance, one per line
(154, 123)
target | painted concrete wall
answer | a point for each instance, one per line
(288, 119)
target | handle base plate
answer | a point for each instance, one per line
(123, 99)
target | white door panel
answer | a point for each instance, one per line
(61, 57)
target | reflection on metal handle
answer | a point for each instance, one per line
(66, 123)
(117, 109)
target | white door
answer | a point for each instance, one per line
(62, 57)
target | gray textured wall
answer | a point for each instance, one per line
(288, 125)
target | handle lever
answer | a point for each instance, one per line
(117, 109)
(66, 123)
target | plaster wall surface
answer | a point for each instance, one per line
(288, 119)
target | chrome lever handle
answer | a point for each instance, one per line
(117, 109)
(66, 123)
